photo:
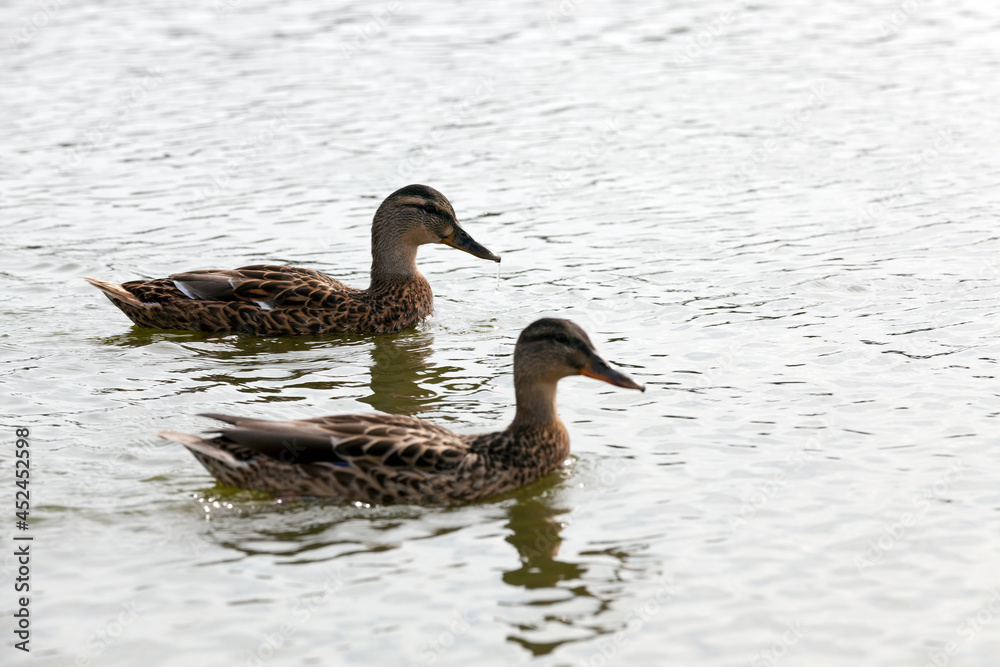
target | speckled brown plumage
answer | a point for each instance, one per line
(306, 302)
(272, 300)
(397, 459)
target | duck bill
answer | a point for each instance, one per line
(460, 239)
(598, 369)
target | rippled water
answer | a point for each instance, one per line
(780, 218)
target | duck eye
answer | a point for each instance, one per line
(561, 338)
(431, 208)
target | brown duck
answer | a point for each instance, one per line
(379, 458)
(272, 300)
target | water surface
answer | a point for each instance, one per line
(779, 218)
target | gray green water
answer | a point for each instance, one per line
(780, 217)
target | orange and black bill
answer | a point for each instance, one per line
(460, 239)
(598, 369)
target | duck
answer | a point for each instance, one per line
(273, 300)
(398, 459)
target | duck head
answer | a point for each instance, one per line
(547, 351)
(550, 349)
(417, 215)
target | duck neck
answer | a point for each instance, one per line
(536, 404)
(392, 259)
(537, 423)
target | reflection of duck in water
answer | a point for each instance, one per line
(399, 366)
(535, 534)
(274, 300)
(393, 458)
(570, 595)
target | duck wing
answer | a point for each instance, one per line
(268, 286)
(362, 442)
